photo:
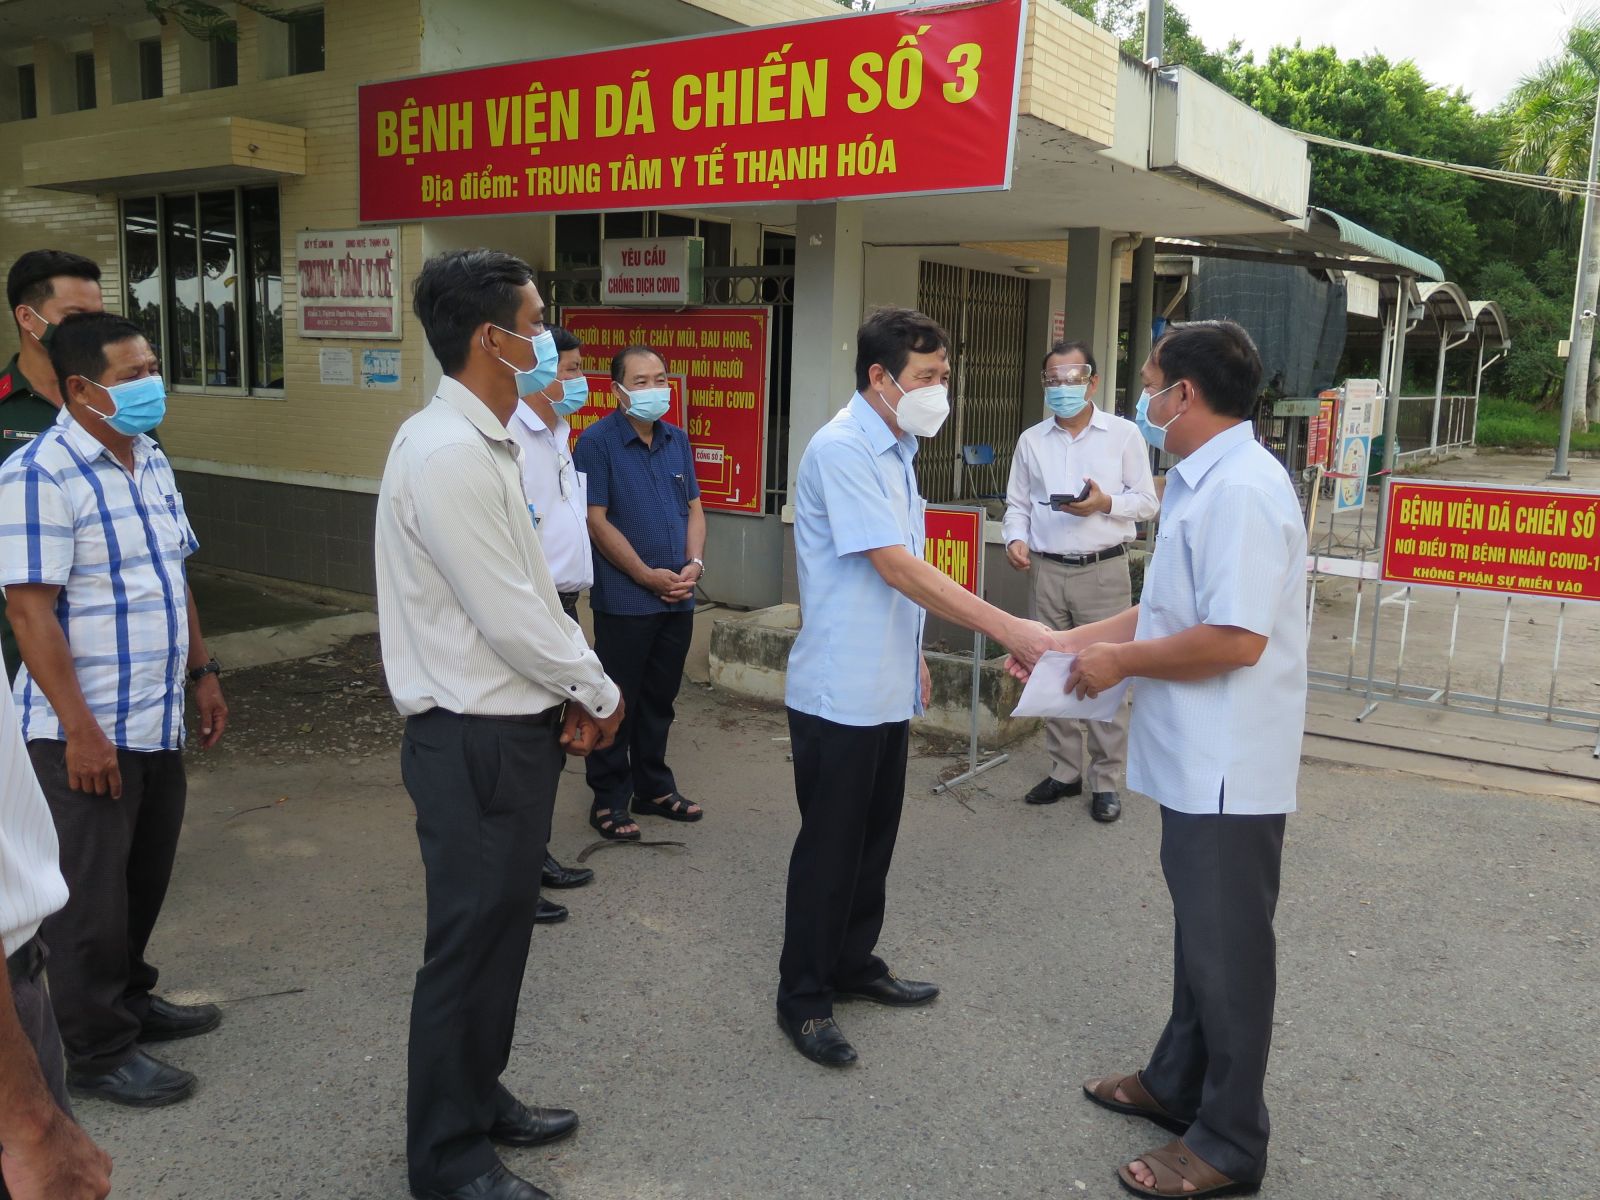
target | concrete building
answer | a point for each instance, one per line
(193, 168)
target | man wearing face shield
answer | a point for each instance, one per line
(1075, 549)
(1218, 647)
(92, 561)
(649, 535)
(856, 673)
(43, 288)
(556, 388)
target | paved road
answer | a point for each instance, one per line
(1437, 1008)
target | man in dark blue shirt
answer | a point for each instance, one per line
(648, 532)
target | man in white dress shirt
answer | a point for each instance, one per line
(556, 499)
(1076, 552)
(495, 681)
(1218, 646)
(44, 1155)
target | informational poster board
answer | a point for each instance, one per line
(1353, 448)
(1518, 541)
(349, 282)
(954, 544)
(723, 356)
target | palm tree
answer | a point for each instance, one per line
(1550, 123)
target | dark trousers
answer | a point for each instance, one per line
(38, 1023)
(850, 781)
(483, 789)
(1211, 1062)
(644, 657)
(117, 858)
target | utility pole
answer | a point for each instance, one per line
(1586, 294)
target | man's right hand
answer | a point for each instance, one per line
(63, 1165)
(669, 585)
(92, 764)
(582, 732)
(1017, 555)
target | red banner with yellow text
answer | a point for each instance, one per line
(1522, 541)
(954, 544)
(863, 104)
(722, 355)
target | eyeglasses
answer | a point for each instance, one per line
(1079, 374)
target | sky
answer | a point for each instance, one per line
(1482, 46)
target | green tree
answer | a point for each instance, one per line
(1550, 118)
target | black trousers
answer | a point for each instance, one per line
(850, 781)
(117, 858)
(1211, 1062)
(38, 1023)
(483, 789)
(644, 657)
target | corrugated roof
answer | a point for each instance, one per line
(1379, 246)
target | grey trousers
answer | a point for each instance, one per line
(1211, 1062)
(1063, 598)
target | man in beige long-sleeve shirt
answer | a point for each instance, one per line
(495, 681)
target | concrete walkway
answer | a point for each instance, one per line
(1435, 1033)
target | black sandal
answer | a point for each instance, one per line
(674, 808)
(607, 821)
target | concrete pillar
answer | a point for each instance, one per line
(54, 83)
(1091, 290)
(116, 66)
(185, 62)
(249, 29)
(827, 313)
(1144, 308)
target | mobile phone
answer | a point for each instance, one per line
(1061, 498)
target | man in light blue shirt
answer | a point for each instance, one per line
(856, 675)
(1218, 646)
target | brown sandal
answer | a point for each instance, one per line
(1174, 1164)
(1140, 1103)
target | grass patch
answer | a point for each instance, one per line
(1515, 426)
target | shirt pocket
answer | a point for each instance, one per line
(680, 492)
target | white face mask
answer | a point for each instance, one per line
(921, 411)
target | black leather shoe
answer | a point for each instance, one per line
(1048, 791)
(520, 1125)
(891, 990)
(820, 1040)
(548, 913)
(1105, 807)
(141, 1082)
(166, 1022)
(498, 1184)
(557, 876)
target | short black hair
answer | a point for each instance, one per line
(80, 341)
(619, 361)
(889, 336)
(1068, 348)
(459, 290)
(565, 339)
(30, 276)
(1219, 358)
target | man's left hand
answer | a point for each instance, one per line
(1096, 669)
(925, 681)
(212, 711)
(1095, 502)
(579, 732)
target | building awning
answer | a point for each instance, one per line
(213, 151)
(1490, 320)
(1321, 240)
(1446, 305)
(1320, 221)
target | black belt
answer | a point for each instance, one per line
(25, 965)
(550, 716)
(1083, 560)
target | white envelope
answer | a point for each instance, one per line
(1046, 695)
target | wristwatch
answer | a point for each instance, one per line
(699, 562)
(211, 668)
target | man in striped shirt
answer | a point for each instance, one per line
(93, 539)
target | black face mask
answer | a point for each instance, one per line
(49, 333)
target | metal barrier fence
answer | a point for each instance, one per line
(1517, 658)
(1429, 425)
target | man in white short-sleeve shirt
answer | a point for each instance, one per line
(1218, 647)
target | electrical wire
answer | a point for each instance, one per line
(1548, 183)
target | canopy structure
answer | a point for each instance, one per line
(1321, 240)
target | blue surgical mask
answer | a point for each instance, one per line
(1155, 434)
(138, 405)
(547, 360)
(1067, 400)
(574, 395)
(648, 404)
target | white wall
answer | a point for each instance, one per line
(472, 33)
